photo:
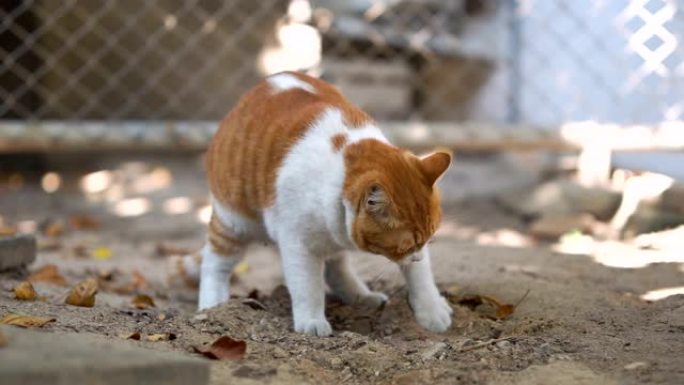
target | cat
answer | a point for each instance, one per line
(295, 163)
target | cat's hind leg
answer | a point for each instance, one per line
(227, 239)
(346, 284)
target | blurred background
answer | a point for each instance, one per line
(566, 115)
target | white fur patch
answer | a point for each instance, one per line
(243, 228)
(285, 81)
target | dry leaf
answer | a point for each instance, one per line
(106, 275)
(81, 251)
(102, 253)
(139, 280)
(161, 337)
(3, 339)
(501, 310)
(132, 336)
(7, 231)
(241, 268)
(137, 283)
(504, 311)
(142, 301)
(25, 321)
(25, 292)
(224, 348)
(53, 229)
(49, 274)
(83, 294)
(49, 244)
(84, 222)
(164, 250)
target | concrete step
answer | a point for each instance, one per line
(33, 357)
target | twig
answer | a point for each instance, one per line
(522, 298)
(486, 343)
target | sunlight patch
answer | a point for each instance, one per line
(656, 295)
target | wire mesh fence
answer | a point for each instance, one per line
(502, 62)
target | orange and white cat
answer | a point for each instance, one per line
(296, 164)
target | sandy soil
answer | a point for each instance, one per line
(583, 320)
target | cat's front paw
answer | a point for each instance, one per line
(432, 312)
(313, 327)
(373, 300)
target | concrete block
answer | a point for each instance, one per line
(40, 358)
(17, 250)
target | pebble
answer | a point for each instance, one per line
(504, 345)
(279, 353)
(432, 351)
(336, 363)
(636, 365)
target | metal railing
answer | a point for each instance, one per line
(505, 63)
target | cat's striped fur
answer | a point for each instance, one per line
(297, 164)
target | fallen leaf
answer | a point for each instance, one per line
(106, 274)
(452, 292)
(132, 336)
(137, 283)
(3, 339)
(501, 310)
(142, 301)
(254, 294)
(84, 222)
(25, 321)
(49, 274)
(81, 251)
(254, 304)
(53, 229)
(25, 292)
(7, 231)
(164, 250)
(504, 311)
(102, 253)
(83, 294)
(161, 337)
(224, 348)
(241, 268)
(49, 244)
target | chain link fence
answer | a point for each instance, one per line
(501, 62)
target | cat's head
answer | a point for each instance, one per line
(392, 201)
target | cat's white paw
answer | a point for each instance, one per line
(372, 300)
(432, 312)
(313, 327)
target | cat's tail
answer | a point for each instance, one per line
(183, 273)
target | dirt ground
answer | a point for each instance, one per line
(582, 322)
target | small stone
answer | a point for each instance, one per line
(432, 351)
(552, 227)
(70, 358)
(336, 363)
(200, 317)
(279, 353)
(504, 345)
(17, 251)
(636, 365)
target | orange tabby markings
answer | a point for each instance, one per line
(412, 201)
(246, 152)
(338, 141)
(221, 239)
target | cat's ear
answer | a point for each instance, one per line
(377, 203)
(434, 165)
